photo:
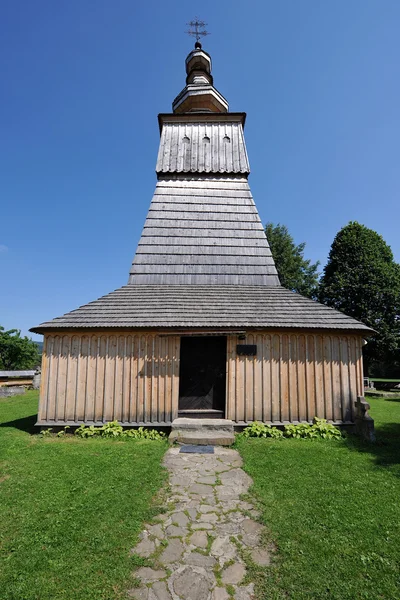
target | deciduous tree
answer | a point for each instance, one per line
(362, 280)
(17, 352)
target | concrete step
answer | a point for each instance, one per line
(202, 432)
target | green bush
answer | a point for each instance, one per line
(302, 430)
(110, 430)
(326, 430)
(319, 429)
(144, 434)
(114, 430)
(262, 430)
(86, 432)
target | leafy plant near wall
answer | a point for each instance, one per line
(319, 429)
(261, 430)
(110, 430)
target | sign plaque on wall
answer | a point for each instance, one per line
(246, 350)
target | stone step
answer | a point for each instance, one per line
(202, 432)
(185, 423)
(202, 438)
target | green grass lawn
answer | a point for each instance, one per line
(333, 511)
(70, 509)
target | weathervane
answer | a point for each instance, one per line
(197, 29)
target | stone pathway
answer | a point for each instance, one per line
(196, 548)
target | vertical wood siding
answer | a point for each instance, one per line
(134, 378)
(94, 378)
(294, 377)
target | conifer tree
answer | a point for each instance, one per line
(295, 272)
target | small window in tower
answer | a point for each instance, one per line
(186, 140)
(206, 139)
(227, 139)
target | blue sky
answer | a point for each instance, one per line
(82, 83)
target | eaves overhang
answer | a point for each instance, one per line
(209, 117)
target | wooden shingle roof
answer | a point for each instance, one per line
(203, 306)
(203, 260)
(203, 231)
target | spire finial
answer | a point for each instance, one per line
(197, 30)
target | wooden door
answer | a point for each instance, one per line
(202, 376)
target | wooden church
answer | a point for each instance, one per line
(203, 328)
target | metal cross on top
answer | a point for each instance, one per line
(197, 28)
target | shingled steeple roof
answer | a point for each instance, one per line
(203, 226)
(203, 259)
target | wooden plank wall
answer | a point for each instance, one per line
(133, 378)
(294, 377)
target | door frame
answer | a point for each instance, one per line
(197, 413)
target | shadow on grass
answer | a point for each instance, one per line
(26, 424)
(386, 449)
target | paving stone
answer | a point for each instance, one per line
(232, 517)
(261, 557)
(159, 591)
(173, 531)
(192, 512)
(199, 539)
(208, 518)
(144, 548)
(233, 574)
(206, 508)
(156, 530)
(201, 489)
(220, 468)
(250, 526)
(207, 526)
(172, 552)
(192, 583)
(196, 507)
(226, 494)
(244, 592)
(180, 481)
(223, 549)
(161, 517)
(200, 560)
(148, 575)
(141, 593)
(220, 593)
(236, 477)
(180, 518)
(193, 504)
(228, 529)
(229, 503)
(245, 506)
(233, 459)
(209, 479)
(251, 540)
(198, 499)
(237, 463)
(211, 500)
(181, 505)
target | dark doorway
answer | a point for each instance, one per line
(202, 377)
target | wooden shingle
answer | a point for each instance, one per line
(203, 306)
(197, 234)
